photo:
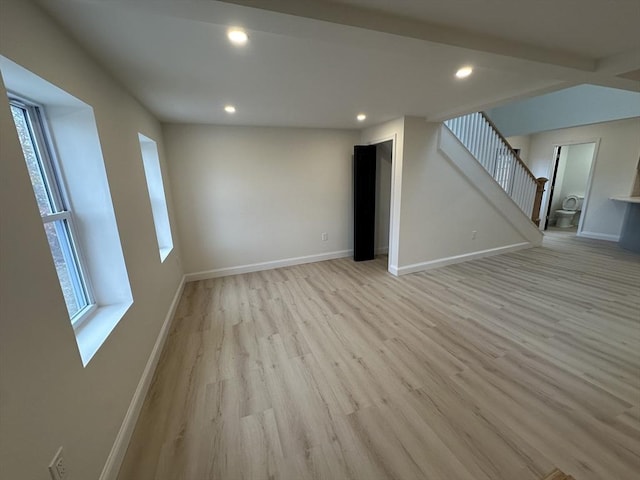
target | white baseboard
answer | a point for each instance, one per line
(382, 251)
(599, 236)
(441, 262)
(257, 267)
(393, 270)
(119, 449)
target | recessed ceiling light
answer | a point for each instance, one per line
(237, 36)
(361, 117)
(230, 109)
(464, 72)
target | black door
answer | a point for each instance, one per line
(364, 202)
(552, 188)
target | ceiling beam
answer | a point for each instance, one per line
(407, 27)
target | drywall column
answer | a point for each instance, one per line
(394, 131)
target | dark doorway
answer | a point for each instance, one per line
(364, 202)
(372, 172)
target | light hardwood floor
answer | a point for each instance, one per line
(501, 368)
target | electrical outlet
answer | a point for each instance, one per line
(473, 234)
(325, 236)
(57, 467)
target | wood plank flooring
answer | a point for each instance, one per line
(500, 368)
(558, 475)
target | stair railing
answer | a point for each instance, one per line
(484, 141)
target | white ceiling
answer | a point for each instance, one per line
(328, 62)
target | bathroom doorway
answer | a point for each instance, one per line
(572, 170)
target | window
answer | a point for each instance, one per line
(64, 160)
(50, 195)
(151, 163)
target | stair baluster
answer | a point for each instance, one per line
(489, 147)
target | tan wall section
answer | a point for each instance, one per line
(613, 174)
(247, 195)
(441, 207)
(47, 398)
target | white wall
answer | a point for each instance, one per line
(523, 142)
(441, 207)
(47, 398)
(576, 173)
(580, 105)
(614, 169)
(635, 191)
(383, 195)
(247, 195)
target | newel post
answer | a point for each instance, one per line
(535, 214)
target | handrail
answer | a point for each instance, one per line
(508, 145)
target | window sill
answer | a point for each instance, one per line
(94, 330)
(164, 253)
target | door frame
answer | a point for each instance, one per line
(394, 232)
(557, 151)
(587, 192)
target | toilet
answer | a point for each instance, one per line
(571, 206)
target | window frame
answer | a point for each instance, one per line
(61, 216)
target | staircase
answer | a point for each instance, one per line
(483, 140)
